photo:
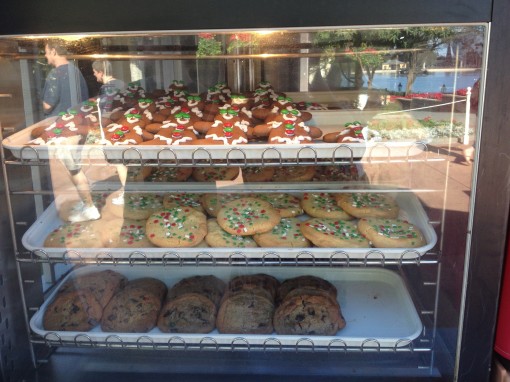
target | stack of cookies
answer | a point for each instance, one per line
(134, 308)
(80, 301)
(308, 306)
(191, 305)
(248, 305)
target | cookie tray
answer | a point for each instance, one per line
(375, 303)
(410, 210)
(318, 150)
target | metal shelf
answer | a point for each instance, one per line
(270, 344)
(337, 258)
(243, 156)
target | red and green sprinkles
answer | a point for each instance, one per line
(323, 201)
(235, 240)
(132, 233)
(173, 222)
(137, 201)
(281, 201)
(70, 234)
(361, 200)
(244, 215)
(395, 229)
(287, 229)
(184, 199)
(338, 228)
(213, 174)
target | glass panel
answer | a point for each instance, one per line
(127, 136)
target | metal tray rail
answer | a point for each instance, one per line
(271, 344)
(337, 258)
(247, 155)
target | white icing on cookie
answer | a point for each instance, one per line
(227, 141)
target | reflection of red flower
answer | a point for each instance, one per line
(244, 37)
(207, 36)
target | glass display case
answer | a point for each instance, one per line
(225, 200)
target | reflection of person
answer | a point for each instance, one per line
(103, 72)
(65, 85)
(475, 93)
(469, 151)
(110, 85)
(443, 89)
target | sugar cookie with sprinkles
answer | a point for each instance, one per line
(323, 205)
(391, 233)
(285, 234)
(333, 233)
(176, 227)
(169, 174)
(248, 216)
(294, 173)
(120, 233)
(182, 199)
(213, 174)
(287, 205)
(258, 174)
(368, 204)
(213, 203)
(137, 206)
(75, 235)
(218, 237)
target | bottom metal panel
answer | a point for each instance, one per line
(83, 365)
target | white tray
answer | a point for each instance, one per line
(17, 144)
(375, 304)
(410, 210)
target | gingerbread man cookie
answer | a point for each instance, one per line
(226, 129)
(68, 124)
(117, 134)
(172, 136)
(353, 132)
(287, 116)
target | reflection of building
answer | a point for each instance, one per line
(394, 64)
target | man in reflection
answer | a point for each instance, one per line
(65, 85)
(110, 85)
(65, 88)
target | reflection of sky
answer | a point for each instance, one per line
(429, 83)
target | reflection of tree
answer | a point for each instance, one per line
(369, 60)
(329, 71)
(416, 44)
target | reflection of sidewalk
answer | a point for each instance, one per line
(456, 179)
